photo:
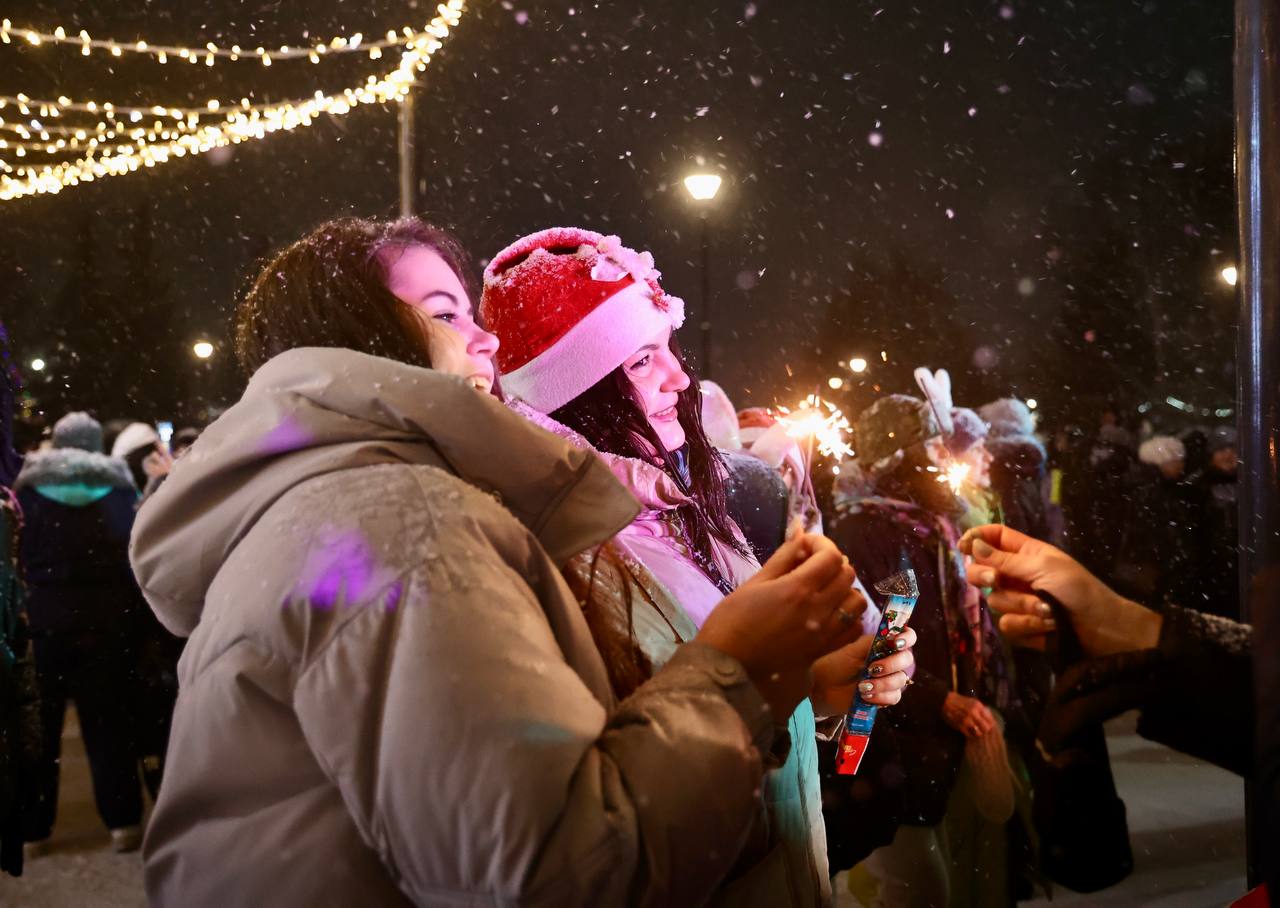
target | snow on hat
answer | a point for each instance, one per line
(569, 306)
(1008, 416)
(967, 429)
(1161, 449)
(135, 435)
(78, 430)
(893, 424)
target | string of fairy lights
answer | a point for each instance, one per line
(114, 139)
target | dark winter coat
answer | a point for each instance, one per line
(1217, 581)
(757, 501)
(78, 509)
(917, 752)
(19, 698)
(1212, 722)
(1019, 478)
(1163, 541)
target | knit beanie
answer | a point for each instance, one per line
(78, 430)
(893, 424)
(569, 306)
(967, 429)
(1008, 416)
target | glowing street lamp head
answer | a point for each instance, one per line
(202, 349)
(858, 364)
(37, 365)
(1032, 403)
(1230, 275)
(702, 186)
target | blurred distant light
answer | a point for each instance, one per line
(835, 383)
(37, 365)
(858, 364)
(1032, 403)
(884, 356)
(702, 186)
(1230, 275)
(1222, 412)
(202, 349)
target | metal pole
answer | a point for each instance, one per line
(406, 155)
(706, 297)
(1257, 94)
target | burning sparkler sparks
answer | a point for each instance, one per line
(822, 423)
(955, 475)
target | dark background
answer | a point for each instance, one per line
(1046, 211)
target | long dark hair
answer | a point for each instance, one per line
(610, 416)
(329, 289)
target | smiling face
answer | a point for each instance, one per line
(419, 277)
(656, 375)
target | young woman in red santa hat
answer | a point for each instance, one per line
(389, 676)
(587, 350)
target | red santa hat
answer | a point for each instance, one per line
(569, 306)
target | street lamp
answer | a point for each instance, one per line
(1032, 403)
(858, 364)
(37, 365)
(202, 349)
(1230, 275)
(703, 187)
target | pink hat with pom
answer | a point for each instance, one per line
(569, 306)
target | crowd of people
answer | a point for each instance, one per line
(484, 597)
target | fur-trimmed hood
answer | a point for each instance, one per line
(73, 476)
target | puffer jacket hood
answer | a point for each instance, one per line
(73, 476)
(315, 411)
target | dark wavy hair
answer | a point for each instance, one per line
(329, 289)
(610, 416)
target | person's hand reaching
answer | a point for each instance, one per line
(1016, 567)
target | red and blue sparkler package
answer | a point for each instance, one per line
(900, 592)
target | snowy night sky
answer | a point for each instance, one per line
(1036, 196)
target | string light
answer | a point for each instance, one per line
(190, 136)
(210, 53)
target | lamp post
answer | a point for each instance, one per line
(1257, 94)
(702, 187)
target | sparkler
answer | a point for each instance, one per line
(955, 475)
(822, 424)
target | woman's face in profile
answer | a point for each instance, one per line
(419, 277)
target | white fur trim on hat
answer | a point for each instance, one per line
(604, 339)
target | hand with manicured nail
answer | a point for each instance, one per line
(837, 675)
(1015, 566)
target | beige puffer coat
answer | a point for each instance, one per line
(389, 695)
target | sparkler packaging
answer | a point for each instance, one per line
(900, 592)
